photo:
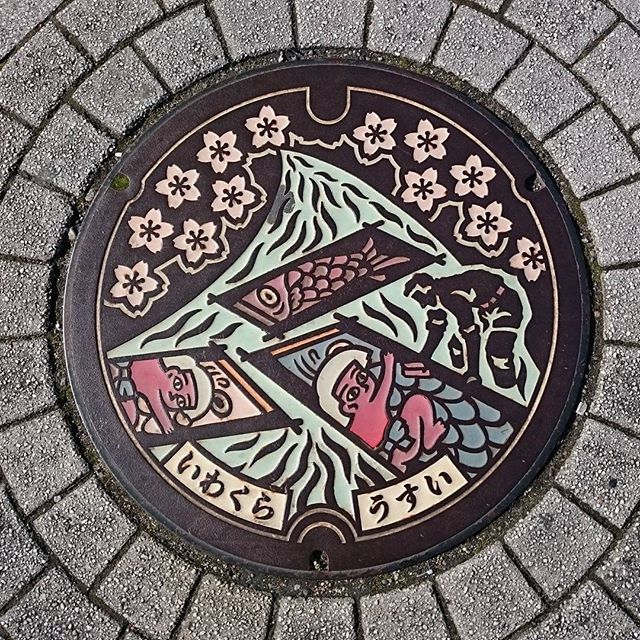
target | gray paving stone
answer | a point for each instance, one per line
(67, 152)
(615, 225)
(603, 470)
(407, 614)
(557, 543)
(622, 304)
(100, 24)
(39, 460)
(613, 70)
(120, 92)
(492, 5)
(32, 220)
(54, 609)
(36, 77)
(184, 48)
(587, 615)
(13, 139)
(542, 93)
(478, 49)
(20, 557)
(617, 396)
(630, 9)
(335, 24)
(621, 570)
(489, 581)
(171, 5)
(252, 27)
(149, 587)
(566, 28)
(27, 385)
(239, 614)
(25, 16)
(592, 152)
(24, 298)
(85, 530)
(409, 29)
(315, 619)
(636, 137)
(132, 636)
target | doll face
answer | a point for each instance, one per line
(354, 389)
(179, 391)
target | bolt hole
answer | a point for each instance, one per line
(120, 182)
(319, 560)
(534, 183)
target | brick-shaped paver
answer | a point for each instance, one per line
(603, 470)
(240, 613)
(478, 48)
(557, 542)
(27, 386)
(492, 5)
(488, 582)
(615, 225)
(13, 139)
(85, 530)
(315, 619)
(630, 9)
(24, 298)
(409, 29)
(621, 570)
(36, 77)
(149, 586)
(100, 24)
(39, 459)
(120, 92)
(621, 288)
(617, 396)
(250, 27)
(566, 28)
(613, 70)
(24, 16)
(542, 93)
(32, 220)
(172, 5)
(183, 48)
(330, 24)
(587, 615)
(407, 614)
(132, 636)
(593, 153)
(636, 137)
(54, 609)
(20, 557)
(67, 152)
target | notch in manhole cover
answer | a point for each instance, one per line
(330, 312)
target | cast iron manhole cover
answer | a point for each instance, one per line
(337, 320)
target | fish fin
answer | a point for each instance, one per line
(389, 262)
(380, 277)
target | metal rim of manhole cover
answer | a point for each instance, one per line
(337, 320)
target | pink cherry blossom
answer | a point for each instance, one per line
(219, 150)
(376, 133)
(197, 240)
(427, 142)
(472, 177)
(179, 186)
(487, 223)
(529, 258)
(148, 231)
(232, 197)
(133, 283)
(267, 128)
(423, 189)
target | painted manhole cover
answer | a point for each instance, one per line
(337, 320)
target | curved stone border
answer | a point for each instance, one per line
(80, 80)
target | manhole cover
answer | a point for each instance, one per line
(336, 321)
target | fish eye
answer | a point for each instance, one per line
(268, 296)
(177, 384)
(352, 394)
(181, 402)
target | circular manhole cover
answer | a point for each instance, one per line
(336, 320)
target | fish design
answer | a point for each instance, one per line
(310, 282)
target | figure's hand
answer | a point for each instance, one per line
(388, 359)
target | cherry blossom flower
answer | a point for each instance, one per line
(133, 283)
(219, 150)
(197, 240)
(423, 189)
(232, 197)
(487, 223)
(148, 231)
(529, 258)
(427, 142)
(267, 127)
(179, 186)
(472, 177)
(376, 133)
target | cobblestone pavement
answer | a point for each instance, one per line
(79, 81)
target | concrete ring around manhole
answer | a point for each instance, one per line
(327, 319)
